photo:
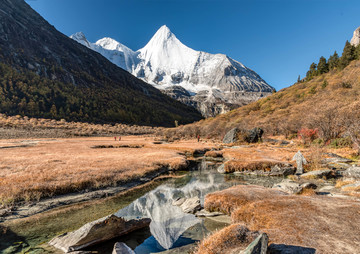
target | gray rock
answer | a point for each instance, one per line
(191, 205)
(353, 172)
(355, 40)
(282, 170)
(250, 136)
(258, 246)
(317, 174)
(122, 248)
(96, 232)
(300, 161)
(327, 189)
(221, 169)
(288, 186)
(231, 136)
(204, 213)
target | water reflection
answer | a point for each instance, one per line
(168, 222)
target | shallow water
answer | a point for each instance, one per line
(170, 231)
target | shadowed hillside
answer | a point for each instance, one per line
(43, 73)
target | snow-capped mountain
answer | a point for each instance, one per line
(214, 83)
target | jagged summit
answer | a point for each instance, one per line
(356, 37)
(215, 82)
(81, 38)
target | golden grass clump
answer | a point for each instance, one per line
(215, 154)
(327, 224)
(233, 238)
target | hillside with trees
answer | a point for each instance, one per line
(43, 73)
(326, 103)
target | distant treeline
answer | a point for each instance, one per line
(26, 93)
(324, 65)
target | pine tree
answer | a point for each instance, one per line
(322, 66)
(357, 52)
(333, 61)
(299, 79)
(348, 55)
(312, 71)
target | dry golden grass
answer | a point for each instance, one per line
(330, 225)
(288, 110)
(215, 154)
(68, 165)
(340, 183)
(230, 239)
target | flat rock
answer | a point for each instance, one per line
(191, 205)
(204, 213)
(122, 248)
(350, 187)
(282, 170)
(96, 232)
(288, 186)
(317, 174)
(352, 172)
(289, 249)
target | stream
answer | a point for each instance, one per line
(170, 231)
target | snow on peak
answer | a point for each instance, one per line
(81, 38)
(111, 44)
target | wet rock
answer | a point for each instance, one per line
(205, 213)
(221, 169)
(191, 205)
(317, 174)
(300, 161)
(122, 248)
(254, 135)
(288, 186)
(96, 232)
(282, 170)
(352, 172)
(258, 246)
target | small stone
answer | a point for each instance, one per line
(288, 186)
(352, 172)
(221, 169)
(122, 248)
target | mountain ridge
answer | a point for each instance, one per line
(166, 63)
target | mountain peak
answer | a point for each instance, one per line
(81, 38)
(109, 43)
(162, 34)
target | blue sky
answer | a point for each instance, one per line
(278, 39)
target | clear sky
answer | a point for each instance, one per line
(278, 39)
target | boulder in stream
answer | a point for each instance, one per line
(191, 205)
(96, 232)
(288, 186)
(352, 172)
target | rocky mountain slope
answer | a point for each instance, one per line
(212, 83)
(46, 74)
(355, 40)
